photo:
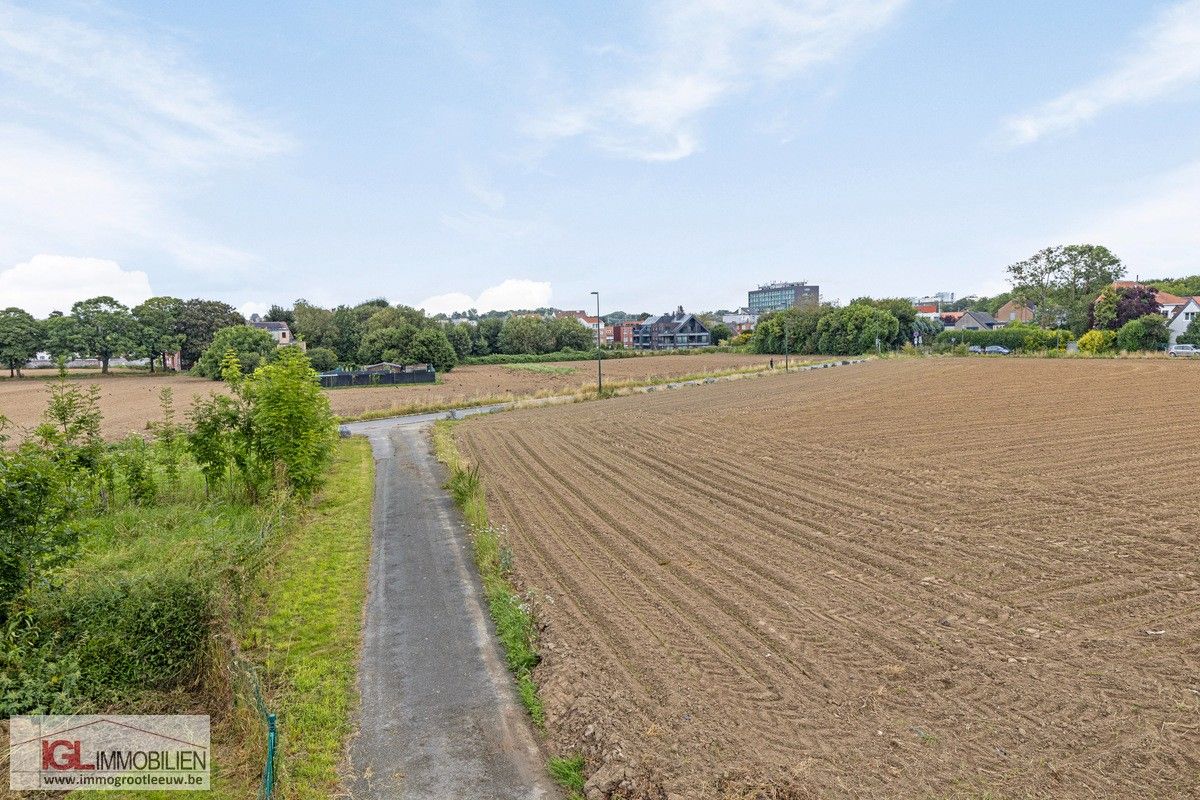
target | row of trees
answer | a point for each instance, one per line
(856, 328)
(103, 328)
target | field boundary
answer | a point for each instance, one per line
(515, 626)
(613, 389)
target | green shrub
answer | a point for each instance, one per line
(1018, 336)
(253, 347)
(1097, 341)
(1148, 332)
(131, 633)
(323, 359)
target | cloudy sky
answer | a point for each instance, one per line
(464, 154)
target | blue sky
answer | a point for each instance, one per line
(663, 153)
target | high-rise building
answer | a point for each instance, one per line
(778, 296)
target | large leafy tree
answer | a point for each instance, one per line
(61, 335)
(20, 338)
(314, 325)
(199, 321)
(105, 328)
(430, 346)
(1117, 305)
(525, 335)
(253, 347)
(1192, 334)
(792, 330)
(460, 338)
(157, 332)
(855, 329)
(571, 334)
(385, 344)
(486, 337)
(1062, 282)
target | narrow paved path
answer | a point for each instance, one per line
(439, 717)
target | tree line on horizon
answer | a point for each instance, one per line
(203, 330)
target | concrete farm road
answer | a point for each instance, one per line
(439, 716)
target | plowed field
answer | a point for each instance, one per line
(908, 579)
(129, 401)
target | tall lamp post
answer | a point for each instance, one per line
(599, 361)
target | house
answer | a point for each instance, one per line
(278, 330)
(1182, 316)
(741, 322)
(622, 332)
(1012, 311)
(950, 318)
(677, 331)
(975, 321)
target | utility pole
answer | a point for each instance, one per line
(599, 360)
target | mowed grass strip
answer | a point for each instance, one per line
(514, 624)
(308, 636)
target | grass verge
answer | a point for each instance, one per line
(307, 634)
(514, 622)
(568, 773)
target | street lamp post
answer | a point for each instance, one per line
(787, 344)
(599, 361)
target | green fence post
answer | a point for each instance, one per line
(269, 767)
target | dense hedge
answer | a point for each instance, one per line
(1014, 337)
(582, 355)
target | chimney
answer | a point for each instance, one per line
(679, 311)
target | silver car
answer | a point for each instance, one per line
(1182, 350)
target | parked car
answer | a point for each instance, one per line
(1183, 350)
(975, 349)
(996, 350)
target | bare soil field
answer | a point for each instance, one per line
(940, 578)
(129, 401)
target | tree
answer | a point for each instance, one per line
(322, 359)
(393, 317)
(720, 332)
(1062, 282)
(20, 338)
(199, 321)
(293, 426)
(277, 313)
(855, 329)
(792, 330)
(460, 339)
(61, 335)
(904, 313)
(157, 332)
(385, 344)
(1117, 305)
(253, 347)
(430, 346)
(105, 328)
(1144, 333)
(525, 335)
(569, 333)
(314, 324)
(487, 336)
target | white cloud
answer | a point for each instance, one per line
(1156, 233)
(706, 51)
(48, 283)
(1166, 59)
(103, 129)
(512, 294)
